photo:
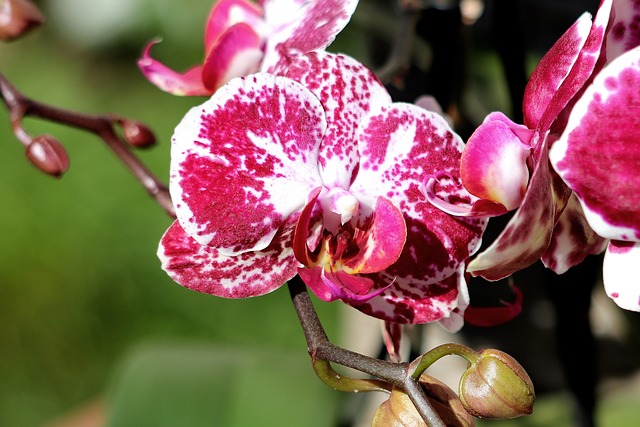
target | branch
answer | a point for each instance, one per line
(320, 348)
(104, 126)
(400, 54)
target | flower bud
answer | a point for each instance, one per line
(137, 134)
(48, 155)
(497, 387)
(399, 411)
(18, 17)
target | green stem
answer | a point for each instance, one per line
(333, 379)
(421, 364)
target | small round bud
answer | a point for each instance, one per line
(17, 17)
(48, 155)
(497, 387)
(137, 134)
(399, 411)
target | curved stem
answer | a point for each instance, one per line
(103, 126)
(421, 364)
(320, 348)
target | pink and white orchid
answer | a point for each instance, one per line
(598, 156)
(242, 37)
(317, 173)
(506, 165)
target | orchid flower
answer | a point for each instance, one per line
(242, 37)
(316, 172)
(506, 165)
(598, 156)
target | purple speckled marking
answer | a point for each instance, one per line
(552, 69)
(416, 302)
(573, 239)
(247, 157)
(625, 28)
(400, 145)
(203, 269)
(300, 26)
(598, 156)
(348, 91)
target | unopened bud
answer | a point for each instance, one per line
(137, 134)
(399, 411)
(497, 387)
(48, 155)
(18, 17)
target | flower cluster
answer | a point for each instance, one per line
(571, 171)
(301, 164)
(310, 169)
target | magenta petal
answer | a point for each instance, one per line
(493, 316)
(347, 91)
(552, 69)
(245, 160)
(620, 274)
(385, 238)
(298, 27)
(528, 232)
(226, 13)
(204, 269)
(188, 83)
(624, 34)
(493, 164)
(409, 302)
(572, 240)
(400, 145)
(598, 155)
(236, 53)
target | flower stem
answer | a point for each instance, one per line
(321, 349)
(103, 126)
(421, 364)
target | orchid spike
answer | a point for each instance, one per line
(242, 37)
(317, 173)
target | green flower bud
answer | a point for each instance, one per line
(399, 411)
(496, 387)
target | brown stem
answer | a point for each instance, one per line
(320, 347)
(103, 126)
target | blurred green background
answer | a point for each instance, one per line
(87, 318)
(81, 290)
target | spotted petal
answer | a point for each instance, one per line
(598, 155)
(245, 160)
(299, 26)
(348, 91)
(400, 145)
(408, 301)
(565, 69)
(203, 269)
(552, 69)
(624, 34)
(528, 232)
(188, 83)
(572, 239)
(620, 274)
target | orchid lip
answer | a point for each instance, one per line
(343, 293)
(477, 208)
